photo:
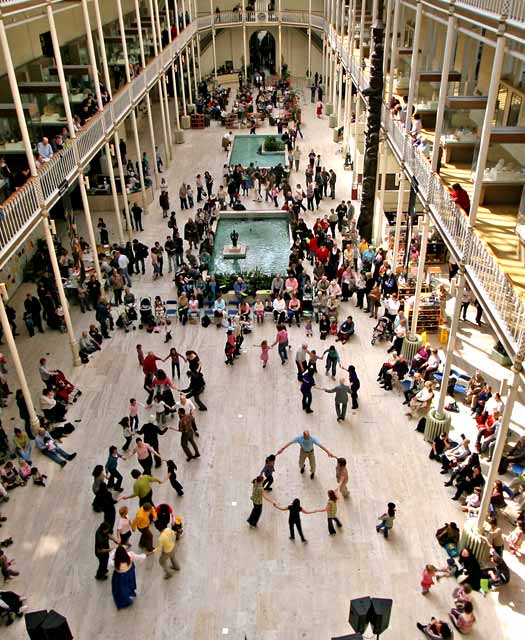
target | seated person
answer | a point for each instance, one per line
(346, 329)
(10, 477)
(463, 619)
(498, 573)
(279, 309)
(334, 289)
(421, 357)
(440, 444)
(294, 309)
(53, 410)
(49, 448)
(416, 386)
(453, 457)
(244, 310)
(219, 310)
(183, 308)
(469, 483)
(435, 629)
(475, 387)
(87, 346)
(13, 605)
(95, 334)
(422, 400)
(484, 396)
(240, 287)
(399, 368)
(431, 365)
(193, 306)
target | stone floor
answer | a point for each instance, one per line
(237, 582)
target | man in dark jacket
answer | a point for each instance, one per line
(33, 307)
(151, 433)
(141, 252)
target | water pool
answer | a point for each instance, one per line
(245, 149)
(267, 239)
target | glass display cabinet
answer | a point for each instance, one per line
(462, 126)
(504, 174)
(428, 94)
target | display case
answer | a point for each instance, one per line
(462, 126)
(504, 174)
(429, 83)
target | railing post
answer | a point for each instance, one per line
(420, 272)
(163, 90)
(393, 50)
(413, 67)
(309, 73)
(399, 215)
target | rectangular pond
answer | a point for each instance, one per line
(246, 149)
(266, 236)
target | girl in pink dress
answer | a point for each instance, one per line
(265, 352)
(427, 579)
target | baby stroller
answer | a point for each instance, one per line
(382, 330)
(64, 389)
(146, 315)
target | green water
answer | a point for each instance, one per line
(268, 242)
(245, 151)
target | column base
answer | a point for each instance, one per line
(329, 108)
(178, 136)
(190, 108)
(435, 425)
(410, 345)
(185, 122)
(332, 121)
(472, 540)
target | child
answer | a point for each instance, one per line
(140, 355)
(38, 478)
(461, 595)
(259, 311)
(387, 519)
(124, 527)
(134, 414)
(24, 470)
(341, 475)
(268, 307)
(515, 539)
(427, 579)
(172, 477)
(308, 328)
(267, 472)
(265, 352)
(312, 362)
(160, 409)
(126, 432)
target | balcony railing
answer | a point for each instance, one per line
(495, 7)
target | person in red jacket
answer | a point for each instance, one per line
(460, 197)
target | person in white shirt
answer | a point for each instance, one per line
(400, 333)
(494, 404)
(422, 400)
(392, 305)
(123, 264)
(45, 150)
(279, 309)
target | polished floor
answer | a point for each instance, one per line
(237, 582)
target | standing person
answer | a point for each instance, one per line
(114, 477)
(124, 527)
(186, 429)
(144, 455)
(175, 358)
(158, 159)
(257, 501)
(200, 187)
(355, 385)
(172, 477)
(102, 549)
(196, 386)
(342, 391)
(294, 518)
(331, 512)
(151, 433)
(301, 361)
(23, 412)
(297, 157)
(319, 108)
(123, 580)
(164, 203)
(306, 443)
(209, 182)
(387, 519)
(137, 217)
(265, 352)
(166, 546)
(427, 579)
(126, 432)
(143, 518)
(307, 384)
(281, 340)
(230, 347)
(33, 308)
(142, 488)
(267, 472)
(341, 476)
(183, 196)
(332, 359)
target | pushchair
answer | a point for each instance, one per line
(64, 389)
(383, 330)
(146, 315)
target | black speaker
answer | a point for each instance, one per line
(359, 608)
(34, 622)
(55, 627)
(353, 636)
(379, 615)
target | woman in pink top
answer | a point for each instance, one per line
(162, 384)
(281, 339)
(144, 453)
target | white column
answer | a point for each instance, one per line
(8, 335)
(193, 64)
(163, 92)
(379, 205)
(60, 289)
(362, 31)
(280, 43)
(413, 66)
(189, 74)
(212, 14)
(133, 115)
(310, 74)
(198, 37)
(420, 272)
(451, 342)
(443, 89)
(393, 50)
(399, 216)
(102, 46)
(181, 78)
(116, 141)
(501, 440)
(388, 26)
(323, 68)
(96, 83)
(486, 131)
(340, 96)
(244, 42)
(72, 133)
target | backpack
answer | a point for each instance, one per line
(205, 321)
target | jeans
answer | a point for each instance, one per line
(331, 364)
(57, 455)
(268, 481)
(25, 454)
(283, 351)
(307, 400)
(125, 276)
(384, 528)
(114, 480)
(171, 262)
